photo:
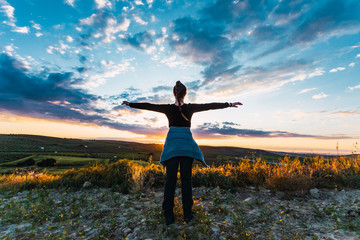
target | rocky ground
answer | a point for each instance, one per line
(250, 213)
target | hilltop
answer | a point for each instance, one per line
(20, 143)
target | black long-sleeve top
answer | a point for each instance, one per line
(173, 114)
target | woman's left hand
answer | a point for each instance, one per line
(235, 104)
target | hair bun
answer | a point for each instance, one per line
(178, 82)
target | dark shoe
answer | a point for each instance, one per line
(169, 218)
(188, 216)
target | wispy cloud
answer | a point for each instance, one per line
(344, 113)
(337, 69)
(8, 10)
(320, 96)
(216, 130)
(307, 90)
(102, 4)
(70, 2)
(354, 87)
(139, 20)
(352, 64)
(222, 31)
(141, 41)
(110, 70)
(138, 2)
(69, 39)
(103, 25)
(60, 48)
(64, 102)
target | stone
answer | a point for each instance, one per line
(215, 229)
(314, 193)
(126, 231)
(87, 184)
(279, 194)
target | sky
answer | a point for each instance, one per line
(67, 65)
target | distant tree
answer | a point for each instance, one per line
(48, 162)
(26, 163)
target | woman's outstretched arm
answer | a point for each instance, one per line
(211, 106)
(147, 106)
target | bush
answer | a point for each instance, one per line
(48, 162)
(125, 175)
(109, 175)
(26, 163)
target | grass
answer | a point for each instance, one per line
(289, 175)
(60, 160)
(47, 203)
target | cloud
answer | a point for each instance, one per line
(161, 88)
(19, 90)
(70, 2)
(333, 16)
(102, 4)
(226, 34)
(317, 72)
(150, 3)
(255, 80)
(203, 44)
(353, 88)
(307, 90)
(138, 2)
(8, 10)
(139, 20)
(357, 56)
(216, 130)
(60, 48)
(337, 69)
(141, 41)
(111, 70)
(69, 39)
(103, 25)
(352, 64)
(320, 95)
(344, 113)
(54, 97)
(36, 25)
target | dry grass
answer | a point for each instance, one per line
(288, 175)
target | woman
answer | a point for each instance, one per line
(179, 148)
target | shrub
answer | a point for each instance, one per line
(109, 175)
(125, 175)
(26, 163)
(48, 162)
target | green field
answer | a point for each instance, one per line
(62, 162)
(73, 153)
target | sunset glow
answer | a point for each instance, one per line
(295, 65)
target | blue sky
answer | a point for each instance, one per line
(68, 64)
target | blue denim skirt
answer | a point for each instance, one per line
(180, 142)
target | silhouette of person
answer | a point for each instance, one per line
(179, 148)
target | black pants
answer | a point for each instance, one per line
(172, 166)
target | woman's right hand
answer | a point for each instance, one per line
(235, 104)
(125, 103)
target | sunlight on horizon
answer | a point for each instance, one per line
(24, 125)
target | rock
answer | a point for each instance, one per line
(249, 200)
(215, 229)
(130, 236)
(266, 192)
(127, 230)
(279, 194)
(314, 193)
(87, 184)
